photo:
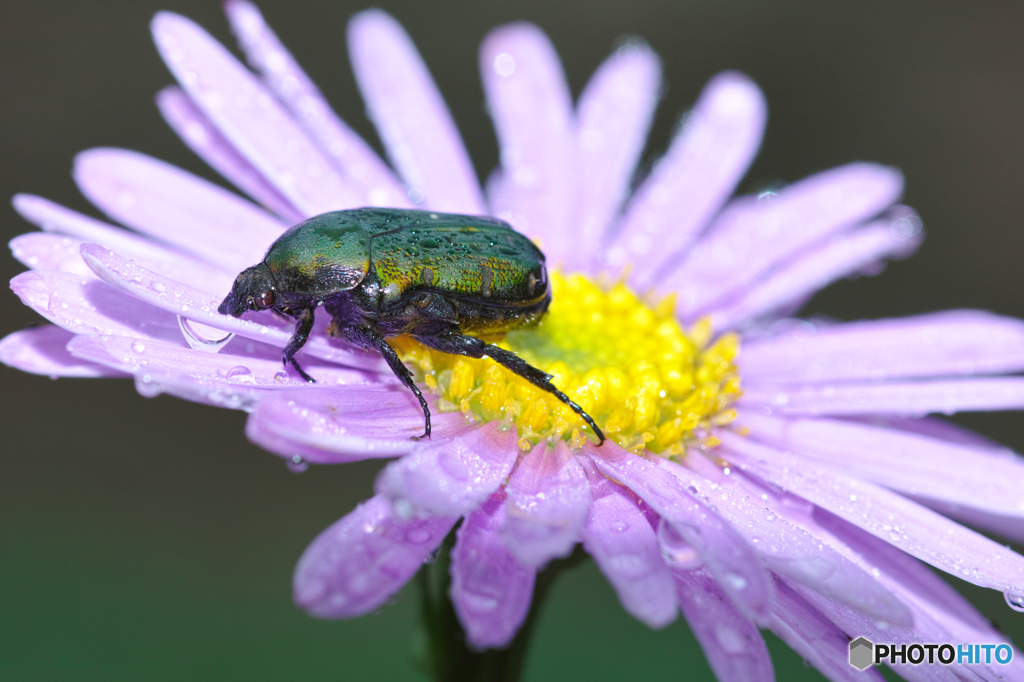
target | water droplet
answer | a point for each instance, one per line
(241, 374)
(202, 337)
(139, 347)
(1014, 601)
(734, 580)
(504, 64)
(296, 464)
(158, 287)
(676, 551)
(146, 387)
(280, 377)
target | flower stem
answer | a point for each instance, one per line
(448, 658)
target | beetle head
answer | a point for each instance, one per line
(253, 290)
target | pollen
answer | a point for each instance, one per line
(650, 384)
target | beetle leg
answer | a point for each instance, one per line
(298, 340)
(460, 344)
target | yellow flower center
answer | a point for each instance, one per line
(647, 382)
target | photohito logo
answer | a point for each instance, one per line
(864, 652)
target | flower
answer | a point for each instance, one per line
(761, 472)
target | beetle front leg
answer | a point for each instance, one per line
(303, 326)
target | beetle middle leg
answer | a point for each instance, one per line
(303, 326)
(460, 344)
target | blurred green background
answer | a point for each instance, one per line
(147, 539)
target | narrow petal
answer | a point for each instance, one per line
(700, 171)
(176, 207)
(625, 548)
(1004, 525)
(410, 115)
(949, 343)
(792, 552)
(362, 560)
(203, 138)
(531, 105)
(913, 464)
(730, 559)
(844, 255)
(902, 523)
(912, 398)
(348, 423)
(491, 591)
(732, 643)
(282, 74)
(614, 115)
(43, 251)
(43, 350)
(811, 635)
(451, 478)
(250, 117)
(548, 499)
(174, 297)
(753, 236)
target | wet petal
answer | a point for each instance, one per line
(910, 399)
(911, 463)
(753, 236)
(176, 207)
(792, 552)
(203, 138)
(614, 115)
(346, 424)
(358, 563)
(697, 175)
(283, 75)
(43, 251)
(548, 499)
(491, 591)
(172, 296)
(729, 558)
(531, 105)
(250, 117)
(844, 255)
(887, 515)
(734, 648)
(451, 478)
(43, 350)
(410, 115)
(625, 548)
(950, 343)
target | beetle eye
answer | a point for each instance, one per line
(264, 299)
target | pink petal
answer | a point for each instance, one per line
(348, 423)
(694, 179)
(614, 114)
(531, 105)
(451, 478)
(285, 78)
(625, 548)
(730, 559)
(1007, 526)
(250, 117)
(792, 552)
(887, 515)
(950, 343)
(912, 398)
(42, 350)
(176, 207)
(358, 563)
(913, 464)
(491, 591)
(180, 299)
(548, 499)
(734, 648)
(85, 305)
(753, 236)
(44, 251)
(203, 138)
(811, 635)
(844, 255)
(410, 115)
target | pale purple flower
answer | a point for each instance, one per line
(812, 520)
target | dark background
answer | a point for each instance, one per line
(147, 539)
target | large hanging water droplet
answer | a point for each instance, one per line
(1014, 601)
(297, 465)
(202, 337)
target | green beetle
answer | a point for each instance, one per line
(442, 278)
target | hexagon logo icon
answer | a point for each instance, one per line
(862, 653)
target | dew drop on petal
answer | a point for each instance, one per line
(296, 464)
(241, 374)
(504, 64)
(676, 551)
(202, 337)
(139, 347)
(1014, 601)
